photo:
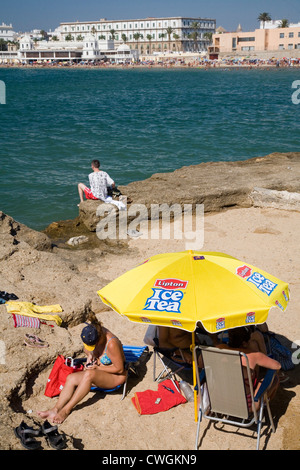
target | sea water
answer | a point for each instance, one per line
(136, 122)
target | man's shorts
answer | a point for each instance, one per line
(88, 194)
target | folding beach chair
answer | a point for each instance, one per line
(133, 358)
(228, 401)
(169, 366)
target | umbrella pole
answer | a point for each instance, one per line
(194, 377)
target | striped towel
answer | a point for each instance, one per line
(21, 320)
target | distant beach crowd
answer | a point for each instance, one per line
(169, 63)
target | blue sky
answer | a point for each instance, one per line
(30, 14)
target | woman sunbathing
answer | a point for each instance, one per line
(240, 339)
(105, 368)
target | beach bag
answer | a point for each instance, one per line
(61, 369)
(280, 353)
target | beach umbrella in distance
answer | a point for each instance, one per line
(181, 289)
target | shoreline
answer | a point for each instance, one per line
(173, 63)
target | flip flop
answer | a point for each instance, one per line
(25, 433)
(35, 341)
(55, 440)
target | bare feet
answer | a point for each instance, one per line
(49, 414)
(60, 417)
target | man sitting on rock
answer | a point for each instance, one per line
(99, 181)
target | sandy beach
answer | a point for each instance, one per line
(264, 237)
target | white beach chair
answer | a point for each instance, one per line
(225, 384)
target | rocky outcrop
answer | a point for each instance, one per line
(284, 200)
(217, 185)
(21, 233)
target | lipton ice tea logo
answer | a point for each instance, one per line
(243, 271)
(220, 323)
(167, 295)
(250, 317)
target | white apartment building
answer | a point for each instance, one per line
(147, 35)
(6, 32)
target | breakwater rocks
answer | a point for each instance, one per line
(270, 181)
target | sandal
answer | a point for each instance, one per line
(25, 434)
(55, 440)
(34, 341)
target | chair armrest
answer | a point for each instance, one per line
(268, 378)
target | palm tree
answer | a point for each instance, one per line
(149, 37)
(194, 37)
(264, 17)
(136, 37)
(55, 38)
(3, 45)
(176, 37)
(284, 23)
(162, 35)
(79, 38)
(169, 31)
(112, 33)
(93, 30)
(124, 38)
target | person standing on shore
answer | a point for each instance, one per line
(99, 181)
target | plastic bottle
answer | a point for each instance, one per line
(186, 390)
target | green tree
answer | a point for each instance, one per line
(69, 37)
(93, 30)
(112, 33)
(44, 34)
(3, 45)
(264, 17)
(176, 37)
(149, 37)
(162, 36)
(136, 37)
(284, 23)
(169, 31)
(124, 38)
(55, 38)
(208, 36)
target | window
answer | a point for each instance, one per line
(281, 47)
(290, 46)
(291, 35)
(246, 39)
(281, 35)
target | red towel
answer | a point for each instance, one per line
(151, 402)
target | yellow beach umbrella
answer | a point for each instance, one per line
(181, 289)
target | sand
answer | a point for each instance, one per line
(266, 238)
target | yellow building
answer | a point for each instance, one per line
(262, 43)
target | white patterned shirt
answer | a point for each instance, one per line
(99, 180)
